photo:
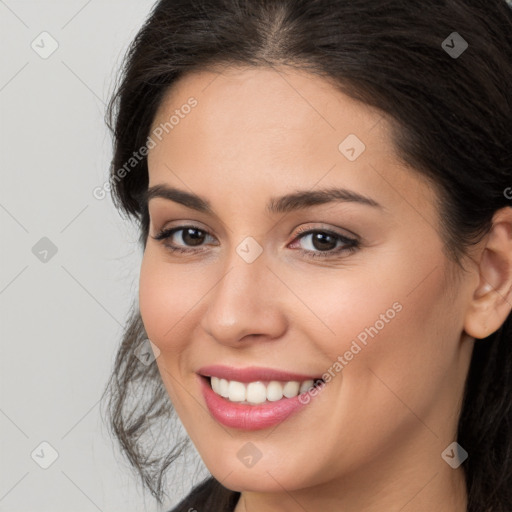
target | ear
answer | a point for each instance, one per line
(492, 299)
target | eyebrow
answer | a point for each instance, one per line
(290, 202)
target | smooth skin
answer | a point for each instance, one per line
(372, 439)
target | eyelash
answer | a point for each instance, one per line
(351, 244)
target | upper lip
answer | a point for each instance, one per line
(252, 374)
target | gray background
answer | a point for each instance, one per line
(62, 314)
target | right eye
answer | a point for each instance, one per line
(189, 235)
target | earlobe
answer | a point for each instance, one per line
(492, 298)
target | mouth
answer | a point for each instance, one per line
(255, 398)
(259, 392)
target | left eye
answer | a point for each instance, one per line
(320, 240)
(322, 243)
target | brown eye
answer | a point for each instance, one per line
(192, 236)
(323, 243)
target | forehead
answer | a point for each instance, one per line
(257, 128)
(256, 104)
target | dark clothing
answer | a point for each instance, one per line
(208, 496)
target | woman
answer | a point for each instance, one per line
(323, 190)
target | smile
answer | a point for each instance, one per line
(255, 398)
(258, 392)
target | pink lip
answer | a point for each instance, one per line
(252, 417)
(252, 374)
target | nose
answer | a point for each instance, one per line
(245, 304)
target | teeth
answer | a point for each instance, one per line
(275, 391)
(214, 381)
(223, 387)
(305, 386)
(258, 392)
(236, 391)
(291, 389)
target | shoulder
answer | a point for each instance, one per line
(208, 496)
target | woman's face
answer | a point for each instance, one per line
(380, 320)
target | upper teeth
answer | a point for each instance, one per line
(258, 392)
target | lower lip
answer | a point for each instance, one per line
(250, 417)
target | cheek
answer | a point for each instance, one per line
(406, 360)
(166, 297)
(398, 321)
(166, 302)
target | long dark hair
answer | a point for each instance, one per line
(452, 121)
